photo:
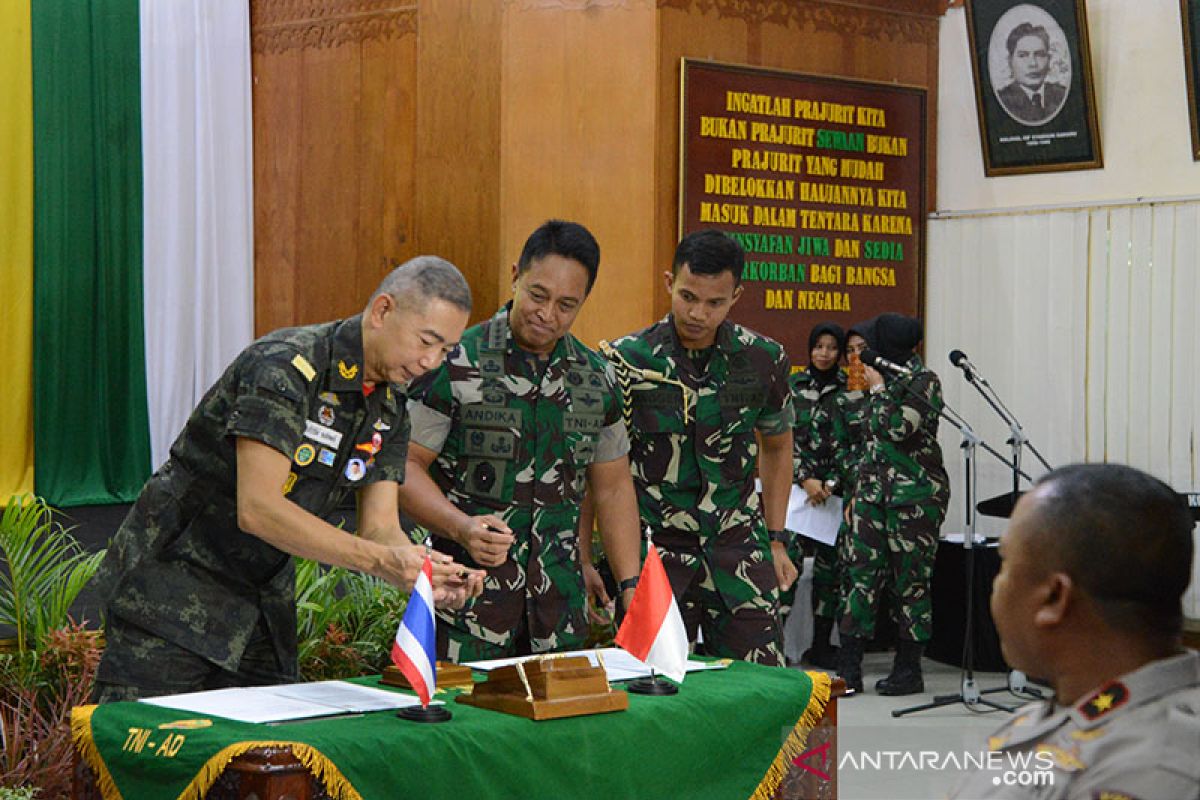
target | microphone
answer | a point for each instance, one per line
(873, 359)
(959, 359)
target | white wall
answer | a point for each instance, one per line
(1084, 319)
(1141, 97)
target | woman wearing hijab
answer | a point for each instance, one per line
(813, 393)
(900, 499)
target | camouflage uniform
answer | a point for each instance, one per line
(901, 493)
(514, 437)
(839, 426)
(693, 454)
(191, 600)
(1134, 738)
(813, 457)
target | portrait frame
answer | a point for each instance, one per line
(1034, 92)
(1189, 15)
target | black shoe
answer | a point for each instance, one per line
(824, 657)
(901, 683)
(849, 664)
(906, 671)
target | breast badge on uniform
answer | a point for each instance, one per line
(305, 454)
(326, 416)
(484, 476)
(356, 469)
(380, 425)
(1107, 698)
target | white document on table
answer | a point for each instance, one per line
(285, 702)
(819, 523)
(618, 664)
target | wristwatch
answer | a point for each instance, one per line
(628, 583)
(783, 536)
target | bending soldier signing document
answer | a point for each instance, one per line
(701, 394)
(198, 584)
(505, 436)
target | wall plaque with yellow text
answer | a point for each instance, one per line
(820, 179)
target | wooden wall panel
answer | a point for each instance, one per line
(458, 142)
(334, 121)
(577, 141)
(866, 40)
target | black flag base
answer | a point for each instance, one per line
(651, 685)
(427, 714)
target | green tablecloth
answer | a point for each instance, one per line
(720, 737)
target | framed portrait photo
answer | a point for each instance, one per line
(1189, 10)
(1033, 86)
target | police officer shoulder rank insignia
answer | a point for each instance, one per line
(1108, 697)
(305, 454)
(348, 371)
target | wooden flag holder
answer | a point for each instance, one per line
(449, 676)
(547, 688)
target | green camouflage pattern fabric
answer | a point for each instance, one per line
(813, 451)
(901, 494)
(522, 434)
(179, 567)
(844, 421)
(813, 457)
(890, 548)
(902, 460)
(693, 454)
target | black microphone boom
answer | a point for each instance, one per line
(873, 359)
(959, 359)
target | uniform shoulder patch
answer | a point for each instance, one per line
(1104, 700)
(305, 368)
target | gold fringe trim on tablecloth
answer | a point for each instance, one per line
(797, 738)
(314, 760)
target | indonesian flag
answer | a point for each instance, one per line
(414, 650)
(653, 627)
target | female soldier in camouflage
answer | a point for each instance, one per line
(900, 497)
(813, 393)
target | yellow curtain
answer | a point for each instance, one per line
(16, 250)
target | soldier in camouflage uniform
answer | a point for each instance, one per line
(504, 436)
(198, 587)
(900, 498)
(698, 389)
(814, 390)
(1094, 566)
(838, 426)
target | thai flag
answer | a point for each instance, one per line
(414, 650)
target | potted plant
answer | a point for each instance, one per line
(51, 661)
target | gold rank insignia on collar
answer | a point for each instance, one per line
(1105, 699)
(348, 371)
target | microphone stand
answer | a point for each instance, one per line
(970, 695)
(1017, 684)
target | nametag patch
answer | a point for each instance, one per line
(491, 416)
(582, 423)
(658, 399)
(321, 434)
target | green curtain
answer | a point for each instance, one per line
(91, 434)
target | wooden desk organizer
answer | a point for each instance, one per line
(449, 676)
(548, 688)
